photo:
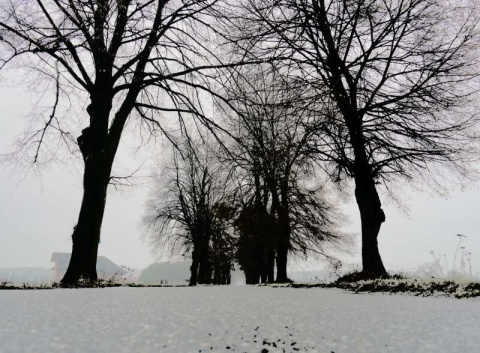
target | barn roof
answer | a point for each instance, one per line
(104, 265)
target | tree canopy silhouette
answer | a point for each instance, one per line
(272, 132)
(190, 213)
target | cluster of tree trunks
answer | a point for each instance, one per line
(209, 267)
(211, 259)
(256, 245)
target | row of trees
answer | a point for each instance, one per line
(390, 83)
(367, 90)
(257, 194)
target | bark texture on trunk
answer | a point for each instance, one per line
(98, 144)
(368, 200)
(98, 153)
(372, 217)
(86, 234)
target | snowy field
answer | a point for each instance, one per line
(234, 319)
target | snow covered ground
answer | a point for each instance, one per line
(234, 319)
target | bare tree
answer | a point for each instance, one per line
(131, 58)
(272, 126)
(191, 213)
(391, 84)
(255, 246)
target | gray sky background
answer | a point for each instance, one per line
(38, 211)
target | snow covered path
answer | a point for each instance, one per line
(234, 319)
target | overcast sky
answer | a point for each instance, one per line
(39, 211)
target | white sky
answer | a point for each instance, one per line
(38, 213)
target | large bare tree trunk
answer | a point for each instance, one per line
(372, 217)
(98, 154)
(86, 234)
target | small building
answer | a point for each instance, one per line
(106, 269)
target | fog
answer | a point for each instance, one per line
(39, 208)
